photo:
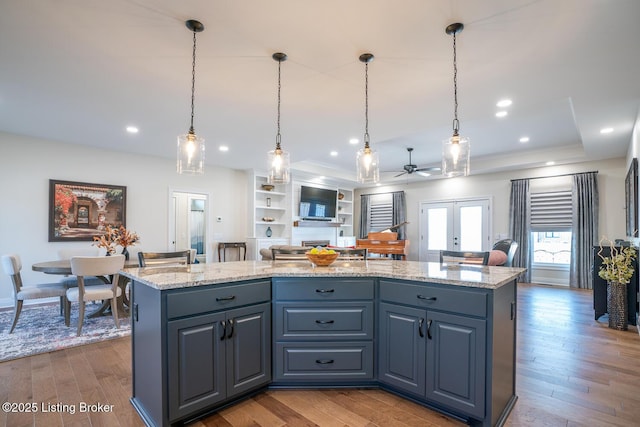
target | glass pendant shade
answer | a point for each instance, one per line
(190, 154)
(279, 166)
(455, 156)
(367, 169)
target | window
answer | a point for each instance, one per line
(551, 227)
(381, 213)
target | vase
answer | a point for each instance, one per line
(268, 232)
(125, 252)
(617, 305)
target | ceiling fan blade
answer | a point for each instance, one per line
(400, 174)
(433, 169)
(421, 173)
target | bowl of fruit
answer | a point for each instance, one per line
(322, 257)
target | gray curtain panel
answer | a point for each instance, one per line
(584, 228)
(519, 225)
(365, 207)
(400, 212)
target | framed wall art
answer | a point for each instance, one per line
(631, 199)
(79, 210)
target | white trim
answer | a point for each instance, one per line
(208, 216)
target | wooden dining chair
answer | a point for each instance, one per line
(11, 264)
(105, 266)
(462, 257)
(289, 254)
(164, 259)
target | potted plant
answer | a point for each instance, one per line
(113, 237)
(617, 270)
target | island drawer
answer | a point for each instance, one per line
(322, 289)
(324, 362)
(213, 298)
(435, 297)
(323, 321)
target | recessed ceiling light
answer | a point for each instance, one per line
(504, 103)
(223, 148)
(550, 163)
(354, 141)
(606, 130)
(132, 129)
(333, 153)
(524, 139)
(501, 114)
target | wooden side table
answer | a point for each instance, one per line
(223, 246)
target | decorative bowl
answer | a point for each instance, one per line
(322, 260)
(268, 187)
(268, 219)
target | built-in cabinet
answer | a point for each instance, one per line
(323, 330)
(199, 348)
(218, 347)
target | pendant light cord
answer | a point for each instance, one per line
(279, 86)
(366, 105)
(456, 123)
(193, 81)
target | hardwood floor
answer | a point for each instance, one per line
(572, 371)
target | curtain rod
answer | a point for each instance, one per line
(553, 176)
(386, 192)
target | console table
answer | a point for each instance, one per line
(223, 246)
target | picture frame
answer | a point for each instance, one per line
(631, 199)
(80, 210)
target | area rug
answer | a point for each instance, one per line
(41, 329)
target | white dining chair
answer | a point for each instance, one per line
(84, 266)
(11, 264)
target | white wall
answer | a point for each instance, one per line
(497, 186)
(27, 164)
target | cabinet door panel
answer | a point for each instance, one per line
(196, 364)
(401, 348)
(248, 348)
(456, 362)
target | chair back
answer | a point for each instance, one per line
(164, 259)
(460, 257)
(509, 247)
(288, 254)
(97, 265)
(352, 254)
(11, 264)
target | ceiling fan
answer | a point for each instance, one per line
(411, 168)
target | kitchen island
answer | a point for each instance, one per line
(207, 335)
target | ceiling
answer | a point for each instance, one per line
(80, 71)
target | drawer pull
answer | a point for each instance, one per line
(426, 298)
(324, 361)
(325, 291)
(324, 322)
(229, 298)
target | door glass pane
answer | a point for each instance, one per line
(437, 229)
(471, 228)
(196, 225)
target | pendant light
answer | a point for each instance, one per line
(367, 165)
(191, 146)
(455, 150)
(278, 159)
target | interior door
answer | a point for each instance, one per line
(187, 221)
(453, 225)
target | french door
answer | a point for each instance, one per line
(453, 225)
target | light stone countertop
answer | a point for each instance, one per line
(164, 278)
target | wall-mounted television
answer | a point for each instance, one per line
(318, 203)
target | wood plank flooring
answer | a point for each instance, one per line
(572, 371)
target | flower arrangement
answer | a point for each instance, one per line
(113, 237)
(618, 266)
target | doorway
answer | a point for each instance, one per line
(188, 222)
(453, 225)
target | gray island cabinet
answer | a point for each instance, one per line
(207, 335)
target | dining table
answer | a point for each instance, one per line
(63, 267)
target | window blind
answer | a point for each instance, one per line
(381, 213)
(551, 211)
